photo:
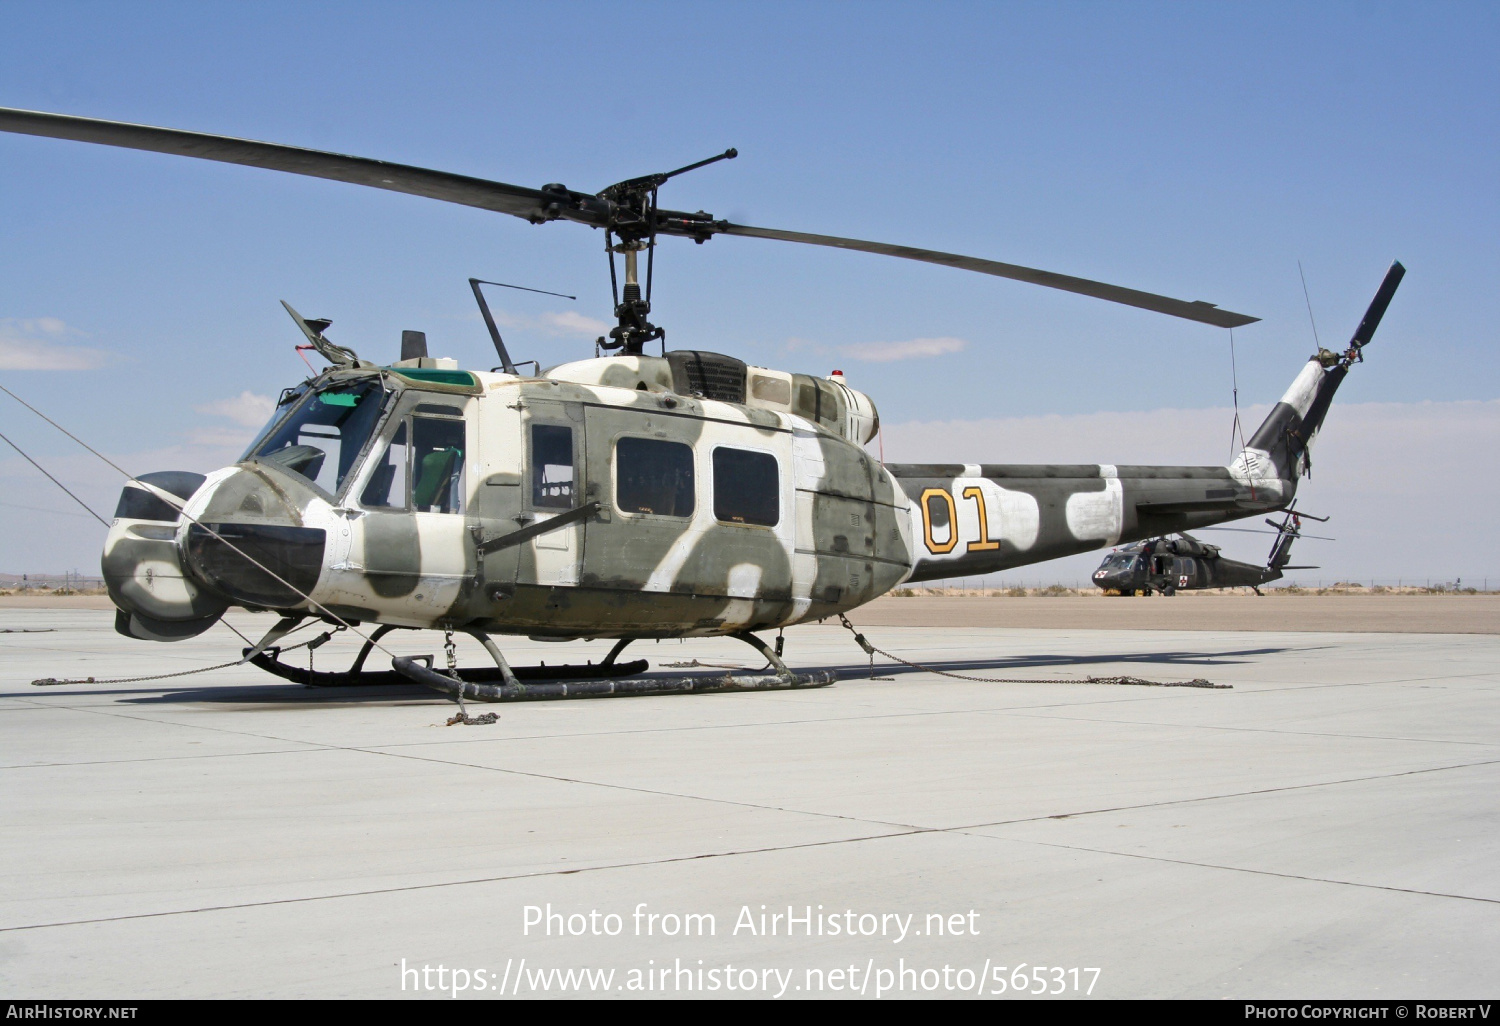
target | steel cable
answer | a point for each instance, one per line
(872, 651)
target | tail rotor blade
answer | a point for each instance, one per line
(1371, 321)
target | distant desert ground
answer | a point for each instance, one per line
(1201, 611)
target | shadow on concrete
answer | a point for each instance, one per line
(1194, 658)
(274, 693)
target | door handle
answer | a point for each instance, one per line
(525, 534)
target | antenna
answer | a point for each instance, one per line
(1308, 300)
(489, 319)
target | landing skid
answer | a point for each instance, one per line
(357, 676)
(269, 662)
(504, 683)
(419, 669)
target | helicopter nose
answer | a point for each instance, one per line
(142, 564)
(248, 544)
(270, 566)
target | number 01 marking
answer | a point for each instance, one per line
(984, 542)
(937, 548)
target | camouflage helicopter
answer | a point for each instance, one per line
(629, 496)
(1183, 563)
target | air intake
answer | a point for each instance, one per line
(711, 375)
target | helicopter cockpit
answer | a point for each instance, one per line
(319, 434)
(427, 449)
(323, 434)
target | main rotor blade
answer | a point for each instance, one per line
(532, 204)
(555, 202)
(1205, 313)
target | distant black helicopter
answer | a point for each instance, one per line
(1170, 564)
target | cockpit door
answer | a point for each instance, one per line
(554, 441)
(411, 542)
(497, 508)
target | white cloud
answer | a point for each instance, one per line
(248, 412)
(38, 344)
(574, 324)
(916, 348)
(232, 440)
(1410, 486)
(246, 409)
(555, 323)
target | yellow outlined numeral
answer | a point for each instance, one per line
(938, 548)
(984, 542)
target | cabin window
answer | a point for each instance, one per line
(747, 487)
(551, 466)
(437, 462)
(654, 476)
(771, 390)
(818, 400)
(386, 488)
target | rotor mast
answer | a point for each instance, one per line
(634, 223)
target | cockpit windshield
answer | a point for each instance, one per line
(1119, 561)
(324, 434)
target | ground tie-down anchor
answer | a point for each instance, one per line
(860, 640)
(450, 652)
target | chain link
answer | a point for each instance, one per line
(52, 682)
(872, 651)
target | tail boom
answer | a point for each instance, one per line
(972, 519)
(979, 519)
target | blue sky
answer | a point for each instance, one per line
(1195, 150)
